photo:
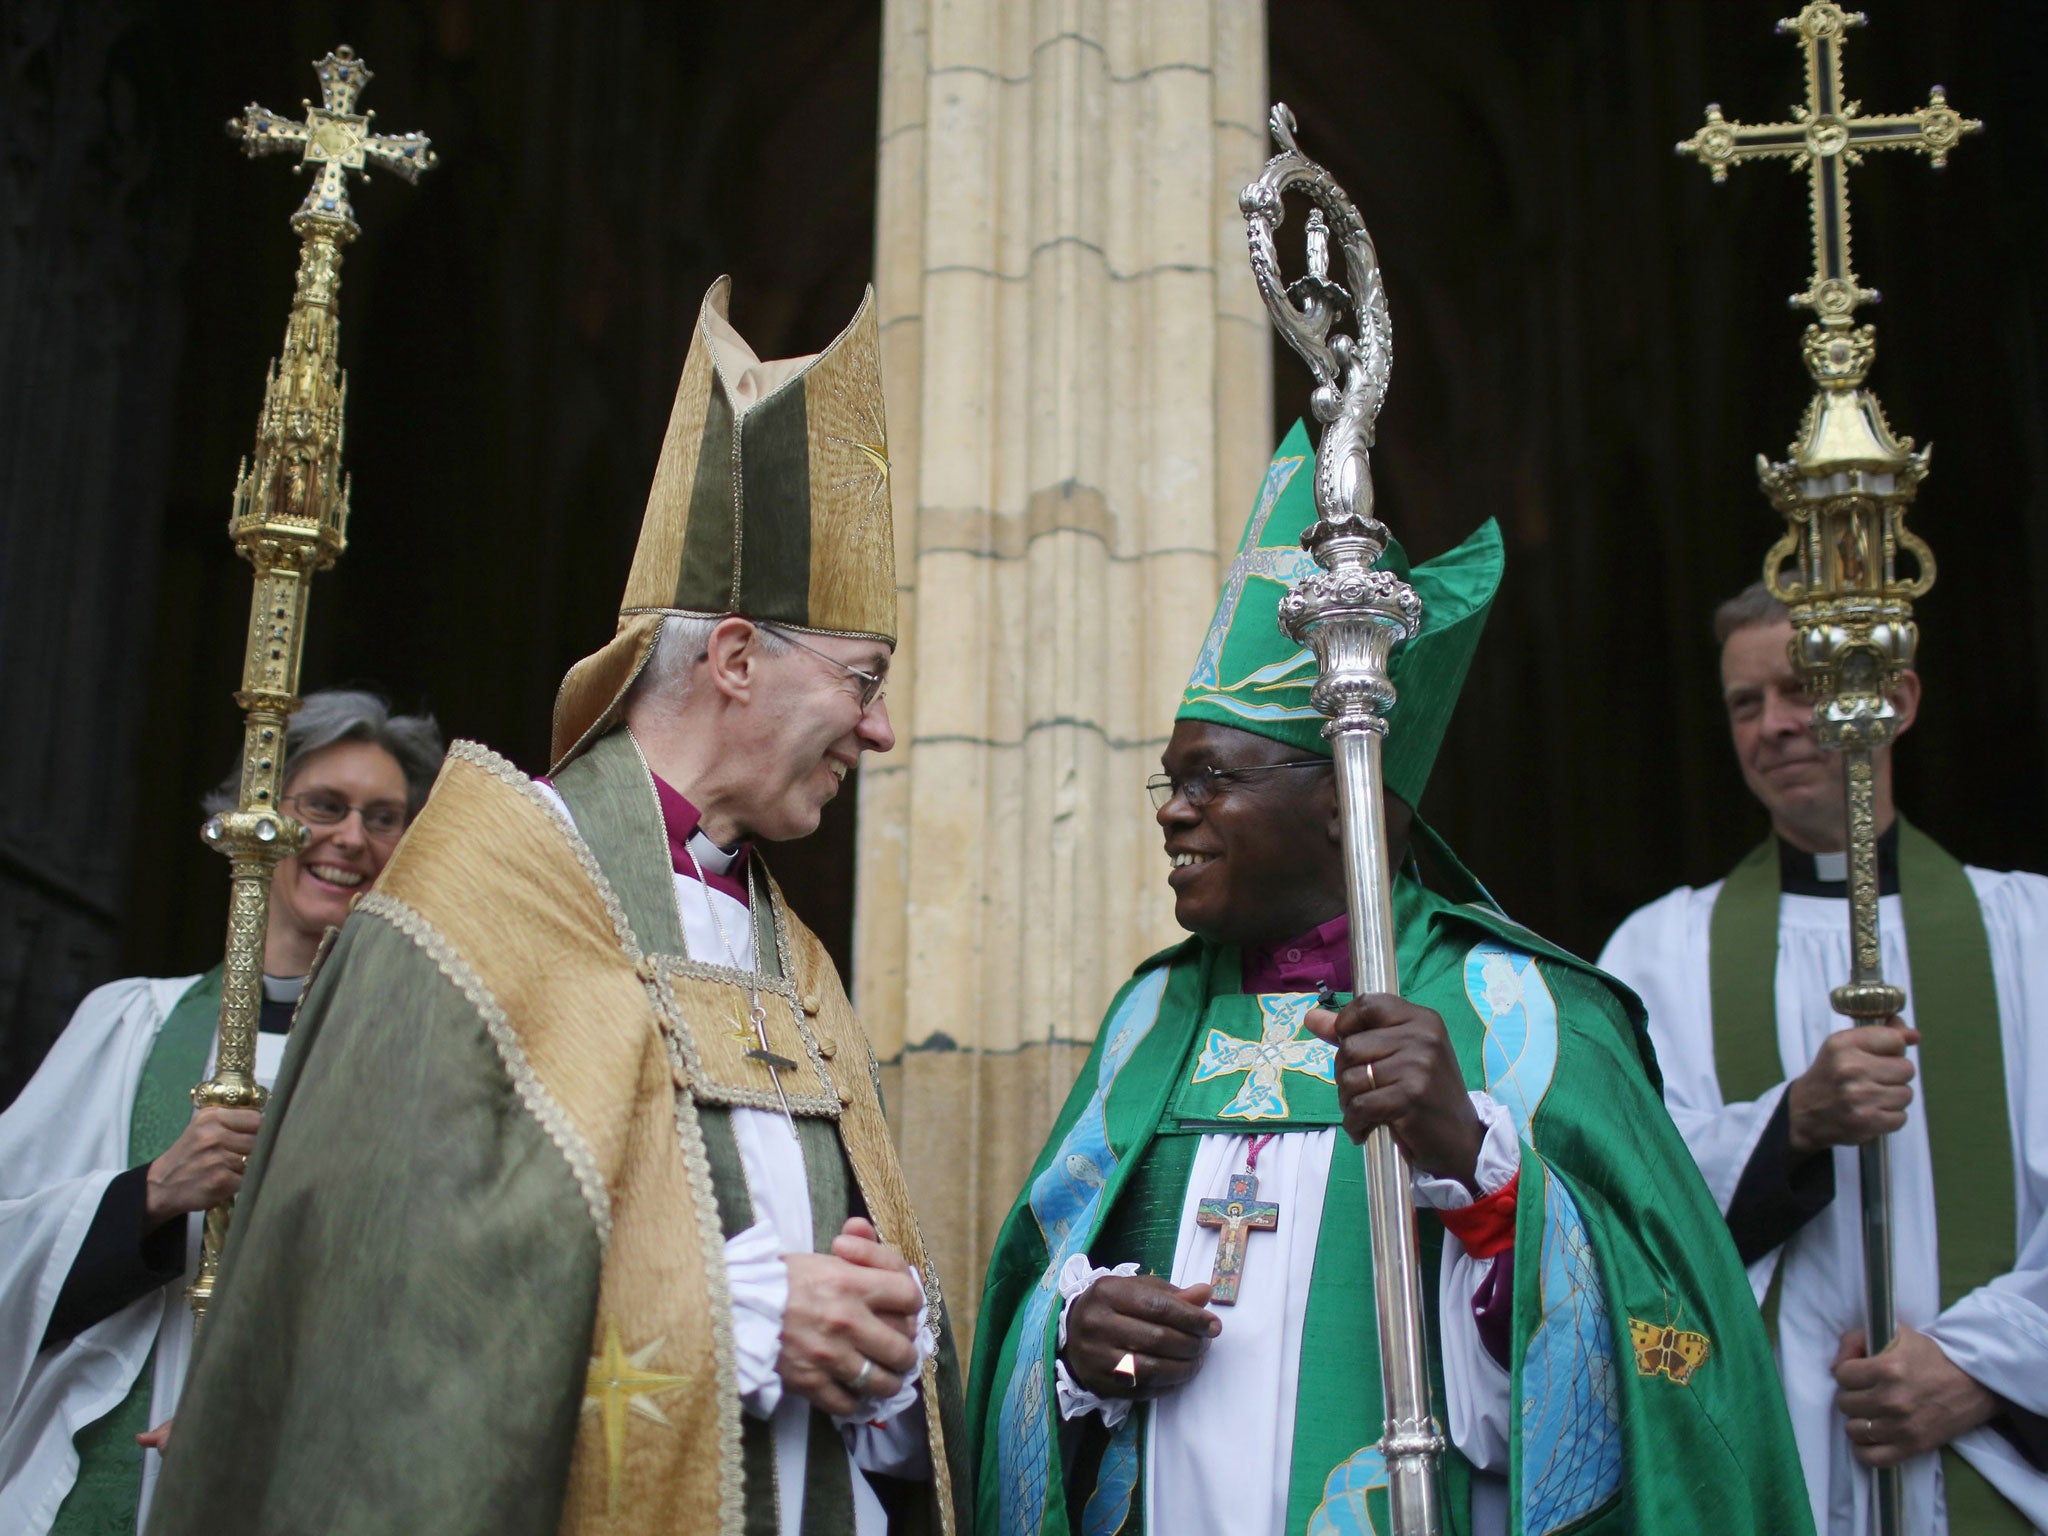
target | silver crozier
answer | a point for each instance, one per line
(1351, 616)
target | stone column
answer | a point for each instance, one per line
(1079, 380)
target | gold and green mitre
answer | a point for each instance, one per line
(771, 500)
(1251, 676)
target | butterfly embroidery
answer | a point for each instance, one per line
(1665, 1350)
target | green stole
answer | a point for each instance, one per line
(1969, 1129)
(1340, 1333)
(103, 1499)
(610, 793)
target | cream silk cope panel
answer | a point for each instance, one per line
(1999, 1334)
(1078, 371)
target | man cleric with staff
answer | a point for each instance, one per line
(1774, 1095)
(1178, 1330)
(575, 1208)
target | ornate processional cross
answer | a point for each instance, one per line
(1826, 136)
(334, 137)
(1236, 1216)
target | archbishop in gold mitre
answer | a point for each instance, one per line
(575, 1208)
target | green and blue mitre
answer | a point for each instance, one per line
(1250, 676)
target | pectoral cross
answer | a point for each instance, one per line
(1236, 1216)
(335, 138)
(1826, 136)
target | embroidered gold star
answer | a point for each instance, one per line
(871, 470)
(619, 1384)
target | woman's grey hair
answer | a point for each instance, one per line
(335, 715)
(679, 647)
(1752, 606)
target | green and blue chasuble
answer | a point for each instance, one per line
(1643, 1396)
(1622, 1258)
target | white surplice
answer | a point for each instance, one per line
(62, 1142)
(1998, 1333)
(890, 1438)
(1243, 1397)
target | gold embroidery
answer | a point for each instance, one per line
(1664, 1349)
(619, 1384)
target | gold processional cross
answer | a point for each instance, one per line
(335, 138)
(1825, 138)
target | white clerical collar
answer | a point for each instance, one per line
(283, 989)
(1831, 866)
(716, 860)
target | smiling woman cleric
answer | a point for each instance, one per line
(103, 1162)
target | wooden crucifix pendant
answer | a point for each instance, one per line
(1236, 1216)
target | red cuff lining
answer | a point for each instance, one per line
(1487, 1226)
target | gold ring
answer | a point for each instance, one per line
(1372, 1079)
(1127, 1368)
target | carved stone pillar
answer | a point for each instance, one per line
(1079, 380)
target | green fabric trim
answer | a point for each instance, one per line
(728, 1172)
(609, 790)
(705, 579)
(108, 1486)
(1742, 977)
(177, 1060)
(774, 578)
(1970, 1149)
(1962, 1064)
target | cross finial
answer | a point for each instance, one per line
(1826, 136)
(335, 139)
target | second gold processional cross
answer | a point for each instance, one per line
(290, 520)
(1844, 494)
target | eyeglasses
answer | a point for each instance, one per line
(871, 683)
(1201, 785)
(383, 820)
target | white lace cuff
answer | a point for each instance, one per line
(1076, 1275)
(758, 1282)
(1500, 1159)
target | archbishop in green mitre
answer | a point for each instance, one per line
(575, 1209)
(1178, 1330)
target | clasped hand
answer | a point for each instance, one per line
(1395, 1067)
(856, 1304)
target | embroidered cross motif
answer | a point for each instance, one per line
(1282, 1047)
